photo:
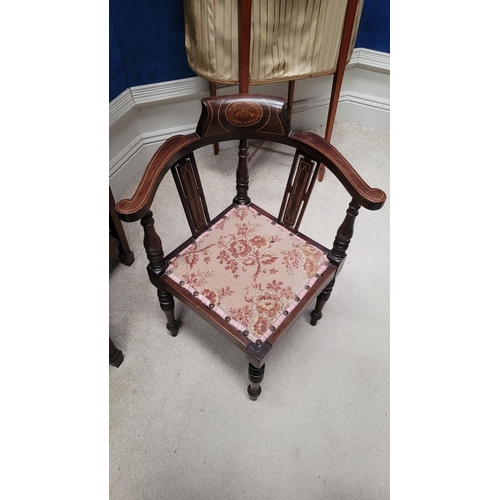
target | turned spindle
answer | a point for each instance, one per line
(316, 315)
(256, 375)
(241, 197)
(344, 234)
(167, 304)
(152, 244)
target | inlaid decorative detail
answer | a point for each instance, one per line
(188, 184)
(297, 192)
(263, 114)
(244, 113)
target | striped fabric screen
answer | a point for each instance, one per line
(290, 39)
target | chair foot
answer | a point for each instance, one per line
(315, 317)
(117, 359)
(127, 259)
(256, 375)
(115, 355)
(322, 299)
(167, 304)
(253, 395)
(173, 328)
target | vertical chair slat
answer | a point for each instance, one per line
(188, 184)
(300, 183)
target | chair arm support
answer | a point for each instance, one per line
(370, 198)
(172, 150)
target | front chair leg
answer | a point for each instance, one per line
(337, 255)
(256, 375)
(316, 315)
(167, 304)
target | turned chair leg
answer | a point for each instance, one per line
(256, 375)
(337, 255)
(167, 304)
(316, 315)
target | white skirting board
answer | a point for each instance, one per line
(141, 118)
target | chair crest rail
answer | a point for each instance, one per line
(243, 113)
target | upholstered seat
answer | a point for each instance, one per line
(249, 270)
(247, 273)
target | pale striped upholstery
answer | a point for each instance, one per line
(290, 39)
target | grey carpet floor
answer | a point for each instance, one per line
(181, 424)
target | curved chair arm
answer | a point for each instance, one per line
(169, 152)
(366, 196)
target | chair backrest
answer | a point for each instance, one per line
(245, 117)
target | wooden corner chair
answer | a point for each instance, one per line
(247, 273)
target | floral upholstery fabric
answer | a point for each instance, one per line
(251, 271)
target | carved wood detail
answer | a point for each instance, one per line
(167, 304)
(298, 190)
(256, 376)
(344, 234)
(323, 297)
(188, 184)
(152, 244)
(242, 197)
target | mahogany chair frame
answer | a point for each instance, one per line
(245, 117)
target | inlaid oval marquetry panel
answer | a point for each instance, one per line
(244, 113)
(234, 114)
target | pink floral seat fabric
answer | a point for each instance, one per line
(249, 270)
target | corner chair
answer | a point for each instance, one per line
(249, 274)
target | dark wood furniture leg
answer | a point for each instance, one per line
(256, 375)
(115, 355)
(167, 304)
(117, 233)
(213, 92)
(156, 267)
(337, 255)
(316, 315)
